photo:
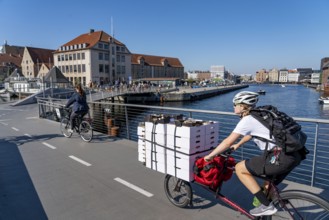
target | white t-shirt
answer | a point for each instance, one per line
(248, 125)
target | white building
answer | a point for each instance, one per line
(217, 72)
(293, 77)
(283, 75)
(94, 56)
(315, 79)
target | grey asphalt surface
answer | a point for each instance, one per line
(44, 175)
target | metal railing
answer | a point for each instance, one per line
(126, 118)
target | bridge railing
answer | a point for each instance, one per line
(313, 171)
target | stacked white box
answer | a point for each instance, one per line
(141, 143)
(155, 156)
(181, 165)
(156, 132)
(211, 135)
(172, 149)
(188, 140)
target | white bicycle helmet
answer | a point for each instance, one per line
(246, 97)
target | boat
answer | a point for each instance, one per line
(261, 92)
(324, 100)
(283, 85)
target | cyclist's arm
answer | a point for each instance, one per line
(241, 142)
(226, 143)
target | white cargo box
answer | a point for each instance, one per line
(157, 128)
(186, 145)
(186, 132)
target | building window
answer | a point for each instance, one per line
(75, 68)
(118, 58)
(70, 57)
(100, 56)
(107, 56)
(66, 57)
(78, 56)
(74, 56)
(71, 69)
(58, 58)
(101, 68)
(123, 58)
(83, 68)
(106, 46)
(100, 45)
(107, 68)
(79, 68)
(82, 56)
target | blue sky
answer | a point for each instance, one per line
(242, 35)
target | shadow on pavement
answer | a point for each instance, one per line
(18, 197)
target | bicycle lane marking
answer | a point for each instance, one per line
(80, 161)
(132, 186)
(16, 129)
(49, 145)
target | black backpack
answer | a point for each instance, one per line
(285, 130)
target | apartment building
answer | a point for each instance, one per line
(273, 75)
(261, 76)
(283, 75)
(94, 56)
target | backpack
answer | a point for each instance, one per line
(285, 130)
(212, 173)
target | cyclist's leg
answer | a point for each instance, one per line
(73, 116)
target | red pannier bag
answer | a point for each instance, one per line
(213, 172)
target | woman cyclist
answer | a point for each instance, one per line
(80, 106)
(276, 164)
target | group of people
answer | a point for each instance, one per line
(246, 128)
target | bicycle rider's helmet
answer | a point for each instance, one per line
(246, 97)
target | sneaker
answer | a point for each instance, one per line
(256, 202)
(264, 210)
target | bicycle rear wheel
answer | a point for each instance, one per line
(65, 125)
(86, 131)
(296, 204)
(179, 192)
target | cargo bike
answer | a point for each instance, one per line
(291, 204)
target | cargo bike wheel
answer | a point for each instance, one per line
(178, 191)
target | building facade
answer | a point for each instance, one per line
(148, 66)
(94, 57)
(33, 59)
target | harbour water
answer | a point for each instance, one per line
(295, 100)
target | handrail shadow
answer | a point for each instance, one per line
(19, 198)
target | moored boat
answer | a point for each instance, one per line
(261, 92)
(324, 100)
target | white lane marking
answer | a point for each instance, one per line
(6, 120)
(28, 135)
(14, 128)
(48, 145)
(140, 190)
(80, 161)
(32, 118)
(3, 123)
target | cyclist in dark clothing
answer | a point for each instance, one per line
(80, 106)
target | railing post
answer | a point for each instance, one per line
(127, 123)
(314, 154)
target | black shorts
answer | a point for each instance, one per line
(286, 162)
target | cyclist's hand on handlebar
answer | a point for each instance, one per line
(208, 158)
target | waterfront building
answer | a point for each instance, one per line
(261, 76)
(218, 72)
(33, 59)
(94, 56)
(149, 66)
(325, 77)
(315, 78)
(293, 76)
(273, 75)
(283, 75)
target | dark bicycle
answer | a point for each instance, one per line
(82, 125)
(291, 204)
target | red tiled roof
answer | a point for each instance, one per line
(155, 60)
(10, 58)
(40, 55)
(91, 39)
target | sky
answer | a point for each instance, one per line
(242, 35)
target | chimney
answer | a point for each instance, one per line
(91, 31)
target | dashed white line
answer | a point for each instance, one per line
(28, 135)
(132, 186)
(3, 123)
(16, 129)
(48, 145)
(80, 161)
(32, 117)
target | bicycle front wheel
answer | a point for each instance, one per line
(296, 204)
(86, 131)
(179, 192)
(65, 125)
